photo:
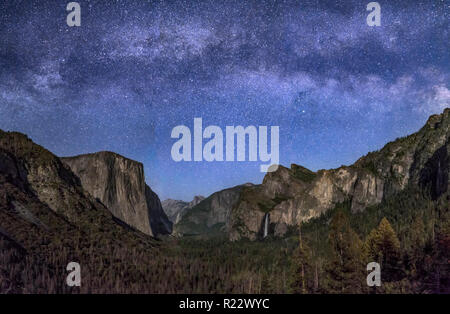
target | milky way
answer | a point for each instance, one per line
(133, 70)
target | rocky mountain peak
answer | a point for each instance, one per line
(175, 209)
(211, 214)
(438, 120)
(197, 199)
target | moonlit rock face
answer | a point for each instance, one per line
(175, 209)
(210, 215)
(39, 175)
(296, 194)
(119, 183)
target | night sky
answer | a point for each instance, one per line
(135, 69)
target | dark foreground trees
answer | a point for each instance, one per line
(408, 236)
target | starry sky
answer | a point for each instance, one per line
(133, 70)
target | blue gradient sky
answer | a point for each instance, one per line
(135, 69)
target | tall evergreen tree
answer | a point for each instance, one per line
(442, 260)
(383, 246)
(345, 268)
(302, 270)
(415, 246)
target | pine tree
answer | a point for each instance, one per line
(383, 247)
(345, 268)
(416, 244)
(302, 270)
(442, 261)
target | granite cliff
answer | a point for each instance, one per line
(36, 173)
(296, 194)
(211, 215)
(119, 183)
(34, 183)
(69, 186)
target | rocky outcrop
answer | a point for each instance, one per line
(175, 209)
(119, 183)
(31, 174)
(296, 194)
(211, 214)
(47, 220)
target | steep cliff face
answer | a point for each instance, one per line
(298, 194)
(30, 175)
(175, 209)
(159, 223)
(210, 215)
(119, 183)
(47, 220)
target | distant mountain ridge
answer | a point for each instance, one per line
(291, 195)
(211, 214)
(296, 194)
(175, 209)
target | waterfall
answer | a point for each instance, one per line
(266, 225)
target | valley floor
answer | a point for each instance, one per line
(415, 257)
